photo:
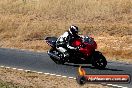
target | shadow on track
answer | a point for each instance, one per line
(91, 67)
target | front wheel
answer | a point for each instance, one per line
(99, 61)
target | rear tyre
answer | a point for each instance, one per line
(99, 61)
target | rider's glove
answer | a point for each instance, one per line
(77, 48)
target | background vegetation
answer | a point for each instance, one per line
(24, 23)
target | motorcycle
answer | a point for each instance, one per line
(85, 54)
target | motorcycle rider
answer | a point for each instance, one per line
(65, 40)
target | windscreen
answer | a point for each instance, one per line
(88, 40)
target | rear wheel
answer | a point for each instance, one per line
(99, 61)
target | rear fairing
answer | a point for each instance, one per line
(51, 41)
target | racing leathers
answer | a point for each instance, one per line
(64, 42)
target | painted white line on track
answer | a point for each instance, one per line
(7, 67)
(112, 85)
(2, 66)
(74, 78)
(40, 72)
(64, 76)
(20, 69)
(121, 87)
(71, 77)
(34, 71)
(58, 75)
(46, 73)
(52, 74)
(27, 70)
(109, 84)
(14, 68)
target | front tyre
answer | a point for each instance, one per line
(99, 61)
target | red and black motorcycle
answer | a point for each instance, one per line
(86, 53)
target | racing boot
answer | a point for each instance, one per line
(66, 56)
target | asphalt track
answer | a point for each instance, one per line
(40, 61)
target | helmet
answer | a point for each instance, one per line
(73, 30)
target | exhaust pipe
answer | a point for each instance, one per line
(53, 55)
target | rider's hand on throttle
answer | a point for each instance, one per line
(77, 48)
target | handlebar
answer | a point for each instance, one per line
(81, 46)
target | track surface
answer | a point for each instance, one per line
(42, 62)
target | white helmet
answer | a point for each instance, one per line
(73, 30)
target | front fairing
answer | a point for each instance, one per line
(89, 48)
(89, 45)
